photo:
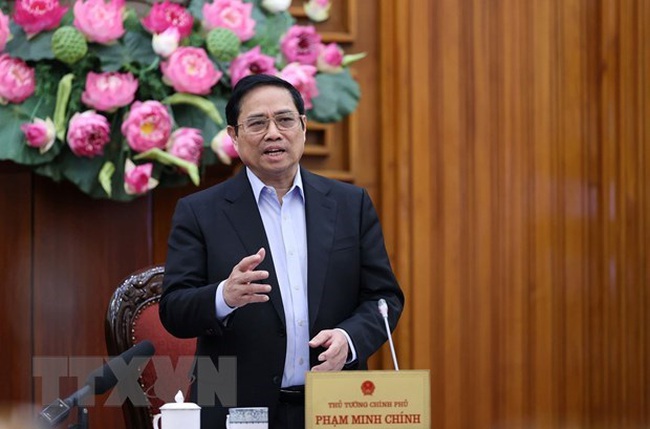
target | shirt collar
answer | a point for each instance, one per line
(258, 186)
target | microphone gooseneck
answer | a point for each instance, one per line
(98, 382)
(104, 379)
(383, 310)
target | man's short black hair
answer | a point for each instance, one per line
(248, 83)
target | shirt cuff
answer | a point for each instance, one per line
(353, 351)
(223, 310)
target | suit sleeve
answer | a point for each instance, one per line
(187, 305)
(377, 280)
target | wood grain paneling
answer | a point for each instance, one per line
(83, 248)
(16, 281)
(517, 207)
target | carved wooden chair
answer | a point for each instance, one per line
(132, 317)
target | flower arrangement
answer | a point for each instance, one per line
(119, 103)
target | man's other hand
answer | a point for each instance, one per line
(336, 350)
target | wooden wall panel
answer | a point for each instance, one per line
(16, 280)
(79, 258)
(517, 211)
(62, 256)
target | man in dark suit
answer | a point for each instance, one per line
(277, 266)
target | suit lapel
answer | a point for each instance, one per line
(243, 214)
(320, 212)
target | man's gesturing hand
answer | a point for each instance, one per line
(336, 352)
(241, 287)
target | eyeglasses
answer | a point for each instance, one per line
(283, 121)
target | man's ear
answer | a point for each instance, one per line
(233, 134)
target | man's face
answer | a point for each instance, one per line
(272, 154)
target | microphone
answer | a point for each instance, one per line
(104, 379)
(383, 310)
(98, 382)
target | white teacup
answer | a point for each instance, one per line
(248, 418)
(178, 415)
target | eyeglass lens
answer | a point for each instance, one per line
(284, 122)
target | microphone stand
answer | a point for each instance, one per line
(383, 310)
(55, 413)
(82, 419)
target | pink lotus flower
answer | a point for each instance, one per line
(234, 15)
(17, 82)
(5, 31)
(303, 78)
(108, 91)
(165, 43)
(187, 144)
(88, 133)
(318, 10)
(224, 147)
(147, 126)
(301, 44)
(35, 16)
(137, 179)
(251, 62)
(330, 58)
(190, 70)
(39, 134)
(168, 15)
(98, 20)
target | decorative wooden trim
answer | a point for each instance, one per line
(344, 176)
(351, 125)
(348, 35)
(316, 150)
(327, 131)
(355, 157)
(297, 11)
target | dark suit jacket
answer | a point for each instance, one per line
(348, 271)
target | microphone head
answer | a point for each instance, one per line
(383, 307)
(104, 378)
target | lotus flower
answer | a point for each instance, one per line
(109, 91)
(147, 126)
(190, 70)
(303, 78)
(98, 20)
(35, 16)
(224, 147)
(165, 43)
(251, 62)
(317, 10)
(5, 31)
(301, 44)
(88, 133)
(17, 82)
(187, 144)
(169, 15)
(234, 15)
(137, 179)
(40, 134)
